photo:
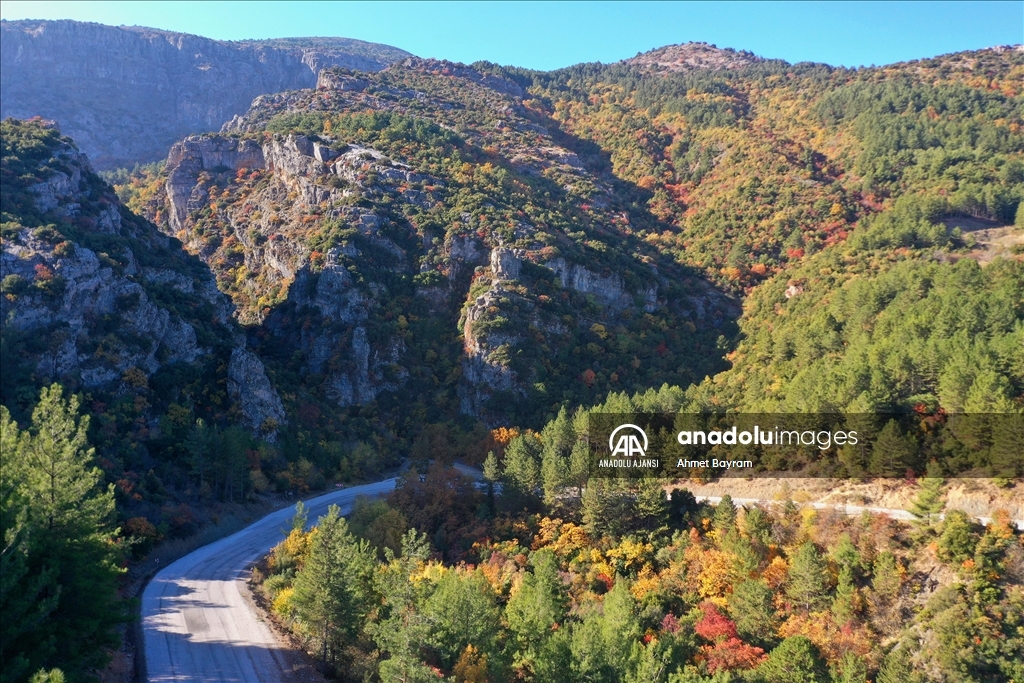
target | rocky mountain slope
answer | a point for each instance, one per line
(421, 230)
(97, 299)
(125, 94)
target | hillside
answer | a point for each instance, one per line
(431, 261)
(125, 94)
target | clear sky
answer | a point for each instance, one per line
(548, 35)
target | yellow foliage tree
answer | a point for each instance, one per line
(471, 667)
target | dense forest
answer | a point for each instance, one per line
(441, 262)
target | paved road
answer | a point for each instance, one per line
(197, 625)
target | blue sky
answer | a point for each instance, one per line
(548, 35)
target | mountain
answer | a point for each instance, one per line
(418, 236)
(126, 93)
(434, 261)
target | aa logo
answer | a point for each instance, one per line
(628, 443)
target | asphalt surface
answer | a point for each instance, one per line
(197, 623)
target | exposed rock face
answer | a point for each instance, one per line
(372, 272)
(249, 387)
(505, 264)
(692, 56)
(103, 311)
(312, 174)
(574, 276)
(196, 154)
(92, 292)
(332, 80)
(127, 93)
(72, 294)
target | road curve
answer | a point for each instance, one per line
(196, 623)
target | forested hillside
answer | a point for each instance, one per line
(438, 261)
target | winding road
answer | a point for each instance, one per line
(199, 626)
(197, 623)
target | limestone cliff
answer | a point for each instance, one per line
(418, 237)
(125, 94)
(97, 298)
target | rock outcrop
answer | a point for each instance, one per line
(692, 56)
(118, 302)
(249, 387)
(125, 94)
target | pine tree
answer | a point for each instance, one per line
(620, 627)
(650, 511)
(795, 660)
(492, 471)
(521, 474)
(893, 452)
(401, 631)
(330, 590)
(61, 554)
(725, 516)
(554, 472)
(807, 586)
(852, 669)
(462, 612)
(928, 503)
(750, 605)
(579, 468)
(536, 607)
(847, 601)
(896, 667)
(26, 602)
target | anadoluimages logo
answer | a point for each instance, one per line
(628, 444)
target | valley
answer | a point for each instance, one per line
(306, 263)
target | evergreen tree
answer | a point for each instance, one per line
(893, 452)
(536, 608)
(795, 660)
(847, 600)
(401, 631)
(750, 605)
(579, 468)
(462, 612)
(554, 471)
(896, 667)
(725, 516)
(600, 506)
(620, 628)
(851, 669)
(331, 589)
(808, 586)
(650, 510)
(61, 557)
(521, 474)
(928, 503)
(554, 661)
(957, 539)
(26, 602)
(492, 471)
